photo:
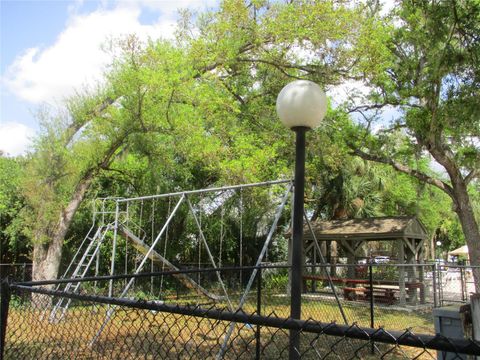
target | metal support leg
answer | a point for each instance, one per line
(322, 259)
(212, 260)
(254, 272)
(114, 249)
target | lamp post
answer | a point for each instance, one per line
(301, 106)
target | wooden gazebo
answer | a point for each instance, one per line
(408, 233)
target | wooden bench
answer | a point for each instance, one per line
(382, 294)
(354, 293)
(364, 282)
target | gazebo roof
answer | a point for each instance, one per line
(378, 228)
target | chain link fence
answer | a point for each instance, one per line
(16, 272)
(455, 283)
(387, 295)
(408, 289)
(208, 314)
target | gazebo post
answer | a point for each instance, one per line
(401, 272)
(349, 247)
(421, 270)
(331, 259)
(412, 270)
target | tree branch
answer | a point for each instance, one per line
(126, 178)
(406, 170)
(169, 105)
(140, 108)
(368, 107)
(380, 106)
(280, 67)
(75, 126)
(472, 175)
(234, 94)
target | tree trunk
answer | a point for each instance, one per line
(465, 213)
(461, 203)
(457, 191)
(47, 256)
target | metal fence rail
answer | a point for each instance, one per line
(177, 325)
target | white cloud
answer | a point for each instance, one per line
(76, 59)
(15, 138)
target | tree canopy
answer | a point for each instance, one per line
(200, 110)
(431, 77)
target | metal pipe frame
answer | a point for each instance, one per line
(114, 248)
(322, 259)
(137, 270)
(201, 191)
(212, 260)
(149, 252)
(256, 268)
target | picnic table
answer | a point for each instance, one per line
(382, 293)
(385, 291)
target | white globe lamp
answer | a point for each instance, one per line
(301, 103)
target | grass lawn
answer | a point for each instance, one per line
(391, 318)
(135, 333)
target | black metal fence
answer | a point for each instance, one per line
(431, 284)
(196, 314)
(16, 271)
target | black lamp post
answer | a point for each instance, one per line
(301, 105)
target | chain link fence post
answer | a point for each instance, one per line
(475, 310)
(258, 343)
(4, 303)
(372, 319)
(434, 285)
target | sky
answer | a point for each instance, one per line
(51, 48)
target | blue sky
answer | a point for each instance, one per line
(50, 48)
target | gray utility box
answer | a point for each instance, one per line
(449, 322)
